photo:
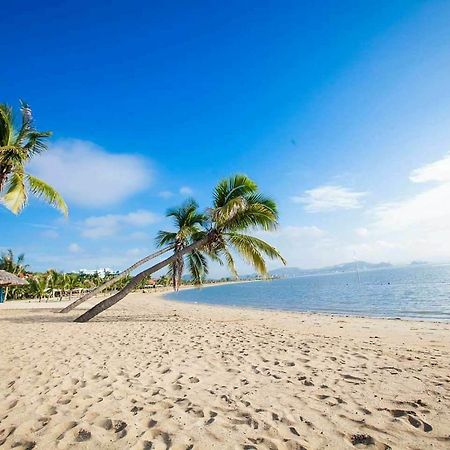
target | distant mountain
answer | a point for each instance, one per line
(291, 272)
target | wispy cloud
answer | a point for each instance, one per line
(437, 171)
(74, 248)
(416, 226)
(89, 176)
(166, 194)
(186, 190)
(330, 198)
(110, 224)
(426, 209)
(362, 232)
(291, 231)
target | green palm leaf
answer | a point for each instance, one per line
(232, 187)
(44, 191)
(198, 266)
(18, 144)
(165, 238)
(16, 196)
(249, 244)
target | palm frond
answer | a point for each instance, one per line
(46, 192)
(36, 142)
(232, 187)
(230, 261)
(6, 124)
(15, 197)
(269, 250)
(223, 214)
(260, 199)
(257, 216)
(198, 266)
(253, 250)
(165, 238)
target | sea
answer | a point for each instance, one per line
(415, 292)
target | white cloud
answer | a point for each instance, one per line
(426, 210)
(166, 194)
(437, 171)
(329, 198)
(418, 226)
(110, 224)
(291, 231)
(136, 252)
(139, 236)
(186, 190)
(362, 232)
(89, 176)
(74, 248)
(301, 245)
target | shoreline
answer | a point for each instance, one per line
(165, 296)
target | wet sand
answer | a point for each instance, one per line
(155, 374)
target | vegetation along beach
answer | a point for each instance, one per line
(225, 225)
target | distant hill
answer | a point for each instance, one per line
(291, 272)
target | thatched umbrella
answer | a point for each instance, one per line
(9, 279)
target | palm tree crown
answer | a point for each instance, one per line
(237, 207)
(188, 222)
(17, 146)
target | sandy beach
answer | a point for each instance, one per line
(156, 374)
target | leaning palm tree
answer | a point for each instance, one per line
(238, 207)
(188, 223)
(18, 144)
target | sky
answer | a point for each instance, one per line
(339, 110)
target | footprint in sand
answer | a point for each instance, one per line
(412, 419)
(83, 435)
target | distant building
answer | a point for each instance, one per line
(102, 272)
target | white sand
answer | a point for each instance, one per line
(150, 373)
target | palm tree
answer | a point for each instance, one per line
(14, 265)
(54, 281)
(18, 144)
(71, 282)
(188, 222)
(237, 207)
(38, 286)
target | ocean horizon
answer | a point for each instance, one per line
(413, 292)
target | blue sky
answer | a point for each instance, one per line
(339, 110)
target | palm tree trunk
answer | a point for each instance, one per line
(6, 293)
(110, 301)
(113, 280)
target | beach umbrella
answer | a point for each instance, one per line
(9, 279)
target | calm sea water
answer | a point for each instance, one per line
(415, 292)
